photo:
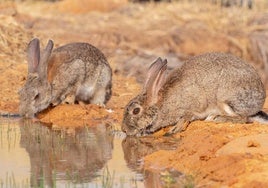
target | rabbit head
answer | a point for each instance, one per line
(35, 95)
(141, 113)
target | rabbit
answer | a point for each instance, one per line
(73, 73)
(213, 86)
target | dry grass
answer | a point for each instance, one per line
(84, 6)
(13, 39)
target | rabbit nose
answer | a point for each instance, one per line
(123, 128)
(126, 129)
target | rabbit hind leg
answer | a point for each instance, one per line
(84, 94)
(224, 119)
(91, 94)
(102, 94)
(227, 115)
(99, 97)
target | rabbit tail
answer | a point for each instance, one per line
(260, 117)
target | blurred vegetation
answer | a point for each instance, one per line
(28, 0)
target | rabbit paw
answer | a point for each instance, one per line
(98, 100)
(70, 99)
(101, 105)
(178, 127)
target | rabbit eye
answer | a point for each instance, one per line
(136, 111)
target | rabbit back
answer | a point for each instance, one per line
(79, 72)
(212, 84)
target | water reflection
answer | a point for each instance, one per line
(167, 178)
(136, 148)
(34, 155)
(54, 154)
(14, 161)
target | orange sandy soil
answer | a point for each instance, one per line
(215, 155)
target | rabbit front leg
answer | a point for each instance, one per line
(181, 125)
(62, 93)
(69, 99)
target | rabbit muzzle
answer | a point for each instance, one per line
(131, 131)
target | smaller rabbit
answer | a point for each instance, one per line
(214, 86)
(71, 73)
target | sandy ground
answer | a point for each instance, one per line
(215, 155)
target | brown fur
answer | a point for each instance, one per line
(71, 73)
(212, 86)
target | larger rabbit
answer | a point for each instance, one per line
(213, 86)
(71, 73)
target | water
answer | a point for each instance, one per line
(34, 155)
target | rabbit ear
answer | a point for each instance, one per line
(33, 55)
(156, 78)
(42, 68)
